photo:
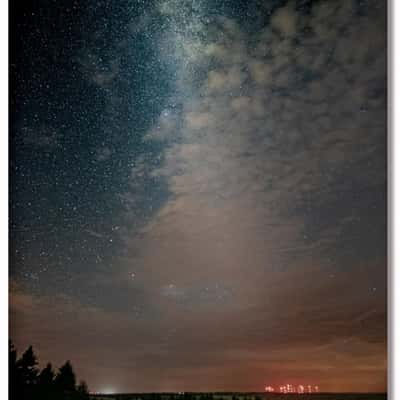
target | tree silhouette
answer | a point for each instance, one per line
(26, 367)
(65, 379)
(46, 376)
(45, 384)
(12, 371)
(83, 390)
(26, 383)
(12, 354)
(26, 375)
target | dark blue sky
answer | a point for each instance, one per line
(177, 166)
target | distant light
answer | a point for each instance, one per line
(298, 389)
(108, 390)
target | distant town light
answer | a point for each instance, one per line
(296, 389)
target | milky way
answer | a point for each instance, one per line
(198, 192)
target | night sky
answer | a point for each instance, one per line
(198, 192)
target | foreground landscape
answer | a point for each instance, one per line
(240, 396)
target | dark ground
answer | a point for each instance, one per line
(242, 396)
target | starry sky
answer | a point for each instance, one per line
(198, 192)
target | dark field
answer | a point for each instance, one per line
(241, 396)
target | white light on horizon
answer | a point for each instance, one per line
(108, 390)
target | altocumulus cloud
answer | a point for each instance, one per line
(285, 124)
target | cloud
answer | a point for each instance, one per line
(271, 138)
(285, 20)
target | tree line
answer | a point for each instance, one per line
(28, 382)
